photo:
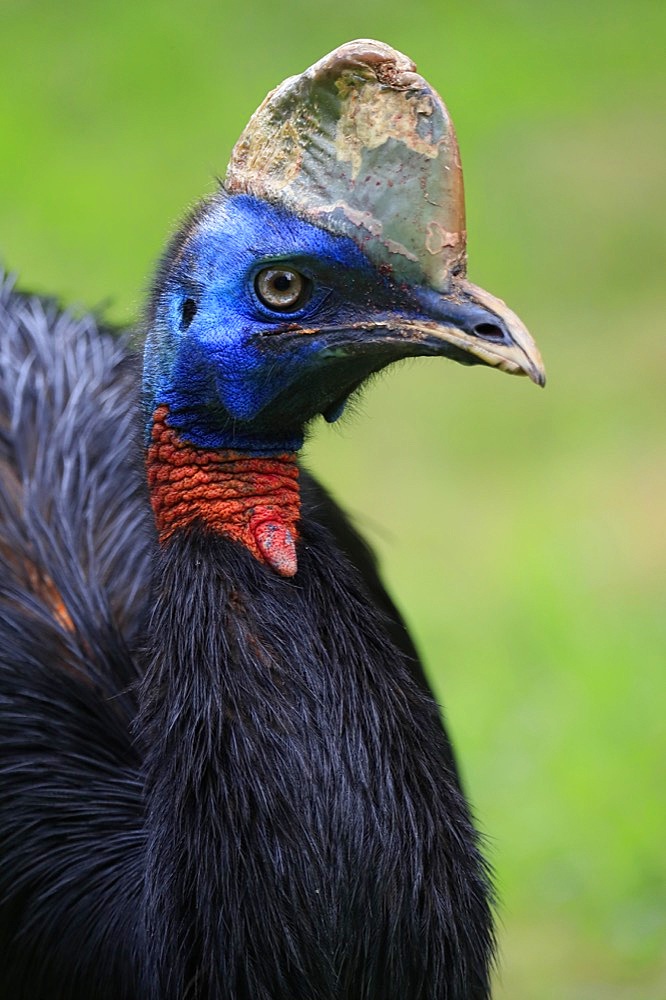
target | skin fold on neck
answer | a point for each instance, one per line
(248, 498)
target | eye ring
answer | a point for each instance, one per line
(282, 289)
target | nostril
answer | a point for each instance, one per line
(490, 331)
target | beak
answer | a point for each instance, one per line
(473, 327)
(465, 324)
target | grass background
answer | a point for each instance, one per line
(521, 531)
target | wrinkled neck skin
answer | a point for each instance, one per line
(305, 838)
(249, 496)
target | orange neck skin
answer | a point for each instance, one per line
(250, 499)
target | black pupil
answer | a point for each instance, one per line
(282, 282)
(188, 312)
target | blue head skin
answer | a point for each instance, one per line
(215, 354)
(238, 374)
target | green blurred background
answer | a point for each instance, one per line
(521, 531)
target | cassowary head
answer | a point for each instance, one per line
(335, 246)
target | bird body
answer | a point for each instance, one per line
(222, 773)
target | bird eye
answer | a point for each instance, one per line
(281, 289)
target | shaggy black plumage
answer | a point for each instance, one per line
(215, 783)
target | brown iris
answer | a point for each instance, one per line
(281, 289)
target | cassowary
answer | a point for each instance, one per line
(223, 775)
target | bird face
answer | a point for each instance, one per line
(260, 320)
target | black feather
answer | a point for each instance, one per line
(215, 783)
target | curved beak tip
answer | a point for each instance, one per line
(532, 366)
(519, 348)
(538, 376)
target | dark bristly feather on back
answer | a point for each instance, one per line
(73, 516)
(75, 554)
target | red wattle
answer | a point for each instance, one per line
(252, 500)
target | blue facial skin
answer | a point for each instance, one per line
(234, 373)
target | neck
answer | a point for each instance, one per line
(232, 739)
(296, 778)
(252, 499)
